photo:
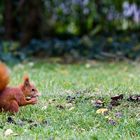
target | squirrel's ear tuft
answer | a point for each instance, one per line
(26, 80)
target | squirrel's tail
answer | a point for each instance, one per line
(4, 76)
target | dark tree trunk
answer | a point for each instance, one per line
(31, 25)
(8, 19)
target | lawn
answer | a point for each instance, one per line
(66, 109)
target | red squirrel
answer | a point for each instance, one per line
(13, 97)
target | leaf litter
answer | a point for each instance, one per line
(24, 121)
(102, 106)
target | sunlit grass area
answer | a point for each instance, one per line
(66, 109)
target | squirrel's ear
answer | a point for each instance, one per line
(26, 80)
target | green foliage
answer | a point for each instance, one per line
(86, 15)
(80, 17)
(115, 47)
(81, 28)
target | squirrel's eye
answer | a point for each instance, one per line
(33, 89)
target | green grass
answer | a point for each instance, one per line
(78, 120)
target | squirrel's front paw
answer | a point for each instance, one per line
(33, 101)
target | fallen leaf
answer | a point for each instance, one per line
(117, 97)
(134, 98)
(8, 132)
(98, 103)
(102, 111)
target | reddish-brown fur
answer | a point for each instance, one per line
(4, 76)
(13, 97)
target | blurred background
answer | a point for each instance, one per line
(70, 29)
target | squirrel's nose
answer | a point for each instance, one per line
(38, 94)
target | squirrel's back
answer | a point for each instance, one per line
(4, 76)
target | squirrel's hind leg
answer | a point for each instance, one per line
(14, 107)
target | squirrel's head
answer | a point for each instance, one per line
(29, 89)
